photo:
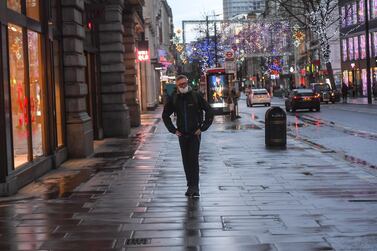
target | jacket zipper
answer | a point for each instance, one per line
(185, 111)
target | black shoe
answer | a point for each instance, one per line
(192, 192)
(195, 194)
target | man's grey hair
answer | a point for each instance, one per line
(181, 77)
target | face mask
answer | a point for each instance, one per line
(183, 90)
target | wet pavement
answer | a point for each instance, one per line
(252, 198)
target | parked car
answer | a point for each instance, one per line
(326, 93)
(258, 96)
(303, 99)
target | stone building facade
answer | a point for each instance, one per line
(69, 76)
(158, 32)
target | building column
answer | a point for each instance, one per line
(78, 123)
(130, 68)
(115, 112)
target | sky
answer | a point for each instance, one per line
(194, 10)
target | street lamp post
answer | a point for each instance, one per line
(354, 87)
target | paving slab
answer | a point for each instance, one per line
(252, 198)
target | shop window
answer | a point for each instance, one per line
(374, 13)
(14, 5)
(32, 9)
(36, 91)
(345, 77)
(26, 97)
(375, 43)
(19, 101)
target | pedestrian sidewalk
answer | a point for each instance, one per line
(252, 198)
(361, 101)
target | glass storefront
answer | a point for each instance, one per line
(36, 91)
(26, 98)
(19, 101)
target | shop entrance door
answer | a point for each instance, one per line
(93, 100)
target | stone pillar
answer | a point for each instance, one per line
(150, 71)
(79, 124)
(115, 113)
(130, 67)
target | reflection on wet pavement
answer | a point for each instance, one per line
(251, 199)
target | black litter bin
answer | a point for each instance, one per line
(275, 127)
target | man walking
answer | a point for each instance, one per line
(189, 106)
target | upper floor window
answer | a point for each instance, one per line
(14, 5)
(354, 12)
(361, 11)
(32, 7)
(344, 16)
(344, 50)
(374, 6)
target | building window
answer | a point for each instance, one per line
(362, 46)
(32, 9)
(375, 43)
(20, 115)
(344, 50)
(14, 5)
(363, 88)
(345, 77)
(350, 48)
(349, 15)
(354, 12)
(343, 14)
(361, 11)
(26, 98)
(356, 47)
(374, 13)
(36, 91)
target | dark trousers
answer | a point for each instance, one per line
(190, 146)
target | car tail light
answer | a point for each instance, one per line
(268, 95)
(296, 97)
(317, 95)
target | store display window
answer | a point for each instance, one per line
(26, 95)
(36, 87)
(19, 100)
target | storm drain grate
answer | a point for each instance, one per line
(250, 222)
(370, 201)
(111, 154)
(138, 241)
(232, 188)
